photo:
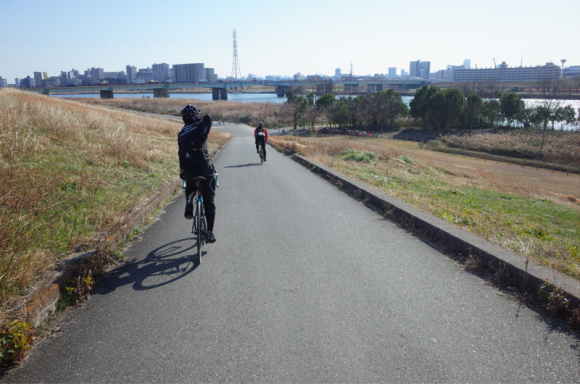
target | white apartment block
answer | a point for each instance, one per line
(549, 71)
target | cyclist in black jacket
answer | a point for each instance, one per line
(194, 161)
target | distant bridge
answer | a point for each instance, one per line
(220, 89)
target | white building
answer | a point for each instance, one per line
(549, 71)
(131, 71)
(39, 78)
(189, 73)
(161, 72)
(420, 69)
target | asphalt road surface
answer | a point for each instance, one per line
(304, 284)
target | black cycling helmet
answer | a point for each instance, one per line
(189, 111)
(260, 124)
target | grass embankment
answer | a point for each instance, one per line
(68, 172)
(272, 115)
(527, 220)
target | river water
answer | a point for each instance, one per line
(241, 97)
(264, 97)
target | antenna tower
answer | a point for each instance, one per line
(236, 65)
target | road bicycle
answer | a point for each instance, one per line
(199, 226)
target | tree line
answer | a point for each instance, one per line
(378, 110)
(431, 108)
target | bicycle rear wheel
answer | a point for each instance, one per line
(261, 154)
(200, 230)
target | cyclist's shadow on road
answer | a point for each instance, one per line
(162, 266)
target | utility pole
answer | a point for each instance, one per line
(236, 65)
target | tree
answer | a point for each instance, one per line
(396, 107)
(357, 109)
(444, 107)
(326, 102)
(541, 114)
(313, 110)
(526, 117)
(339, 113)
(385, 107)
(473, 107)
(568, 115)
(454, 101)
(491, 111)
(296, 106)
(420, 103)
(510, 105)
(552, 109)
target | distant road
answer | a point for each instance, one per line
(304, 284)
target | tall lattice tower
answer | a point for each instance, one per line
(236, 73)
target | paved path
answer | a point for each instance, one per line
(304, 284)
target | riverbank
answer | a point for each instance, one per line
(70, 172)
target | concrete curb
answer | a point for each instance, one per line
(43, 302)
(522, 271)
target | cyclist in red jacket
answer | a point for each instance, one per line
(261, 136)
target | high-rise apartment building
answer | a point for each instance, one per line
(210, 75)
(467, 64)
(161, 72)
(392, 71)
(338, 73)
(188, 73)
(28, 82)
(143, 75)
(39, 77)
(131, 71)
(3, 82)
(420, 69)
(97, 74)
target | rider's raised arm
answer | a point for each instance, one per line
(205, 127)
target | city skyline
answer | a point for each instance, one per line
(272, 39)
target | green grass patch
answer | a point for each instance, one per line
(353, 154)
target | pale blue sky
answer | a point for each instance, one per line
(284, 37)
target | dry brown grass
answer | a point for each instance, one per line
(272, 115)
(560, 146)
(68, 172)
